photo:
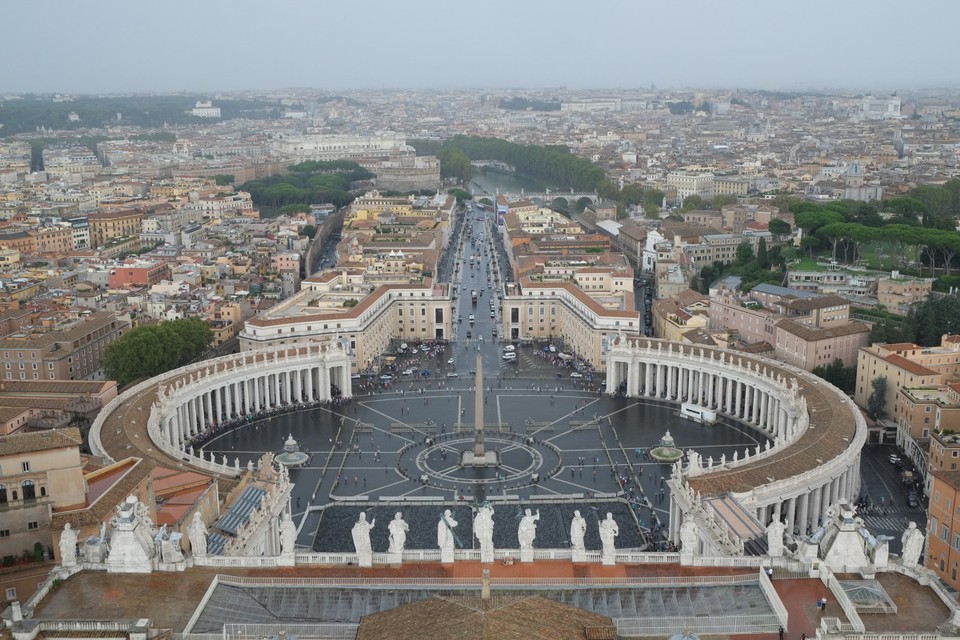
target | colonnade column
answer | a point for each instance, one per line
(791, 513)
(804, 513)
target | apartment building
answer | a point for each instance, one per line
(905, 364)
(40, 472)
(56, 240)
(584, 323)
(139, 273)
(943, 527)
(59, 350)
(689, 184)
(898, 293)
(105, 225)
(345, 306)
(675, 317)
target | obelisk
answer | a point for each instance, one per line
(479, 451)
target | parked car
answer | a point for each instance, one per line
(453, 374)
(576, 374)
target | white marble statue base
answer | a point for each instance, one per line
(469, 459)
(446, 557)
(526, 555)
(579, 555)
(284, 560)
(486, 557)
(395, 558)
(365, 559)
(608, 559)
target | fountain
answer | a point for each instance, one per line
(667, 450)
(291, 456)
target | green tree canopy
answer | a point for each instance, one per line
(722, 200)
(150, 350)
(454, 163)
(878, 397)
(692, 203)
(779, 228)
(309, 230)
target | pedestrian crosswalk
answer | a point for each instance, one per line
(890, 522)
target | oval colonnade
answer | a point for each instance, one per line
(815, 432)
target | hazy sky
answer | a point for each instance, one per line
(207, 45)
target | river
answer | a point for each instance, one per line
(491, 181)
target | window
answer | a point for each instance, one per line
(4, 533)
(33, 525)
(25, 466)
(11, 593)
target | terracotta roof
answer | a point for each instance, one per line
(757, 347)
(54, 387)
(813, 334)
(354, 312)
(899, 346)
(95, 513)
(499, 618)
(818, 302)
(689, 296)
(580, 295)
(40, 441)
(910, 366)
(951, 478)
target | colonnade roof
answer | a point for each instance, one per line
(833, 428)
(124, 431)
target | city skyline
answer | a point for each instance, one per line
(219, 46)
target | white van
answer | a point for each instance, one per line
(509, 348)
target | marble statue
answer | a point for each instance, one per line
(288, 535)
(608, 533)
(398, 534)
(445, 536)
(483, 530)
(775, 539)
(527, 533)
(198, 535)
(689, 541)
(578, 528)
(912, 540)
(68, 546)
(361, 539)
(170, 551)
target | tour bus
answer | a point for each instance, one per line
(697, 413)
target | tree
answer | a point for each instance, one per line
(844, 378)
(744, 254)
(935, 317)
(290, 209)
(651, 211)
(454, 163)
(309, 230)
(779, 228)
(762, 259)
(653, 197)
(810, 245)
(722, 200)
(149, 350)
(224, 179)
(460, 195)
(692, 203)
(878, 398)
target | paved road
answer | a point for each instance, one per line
(881, 487)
